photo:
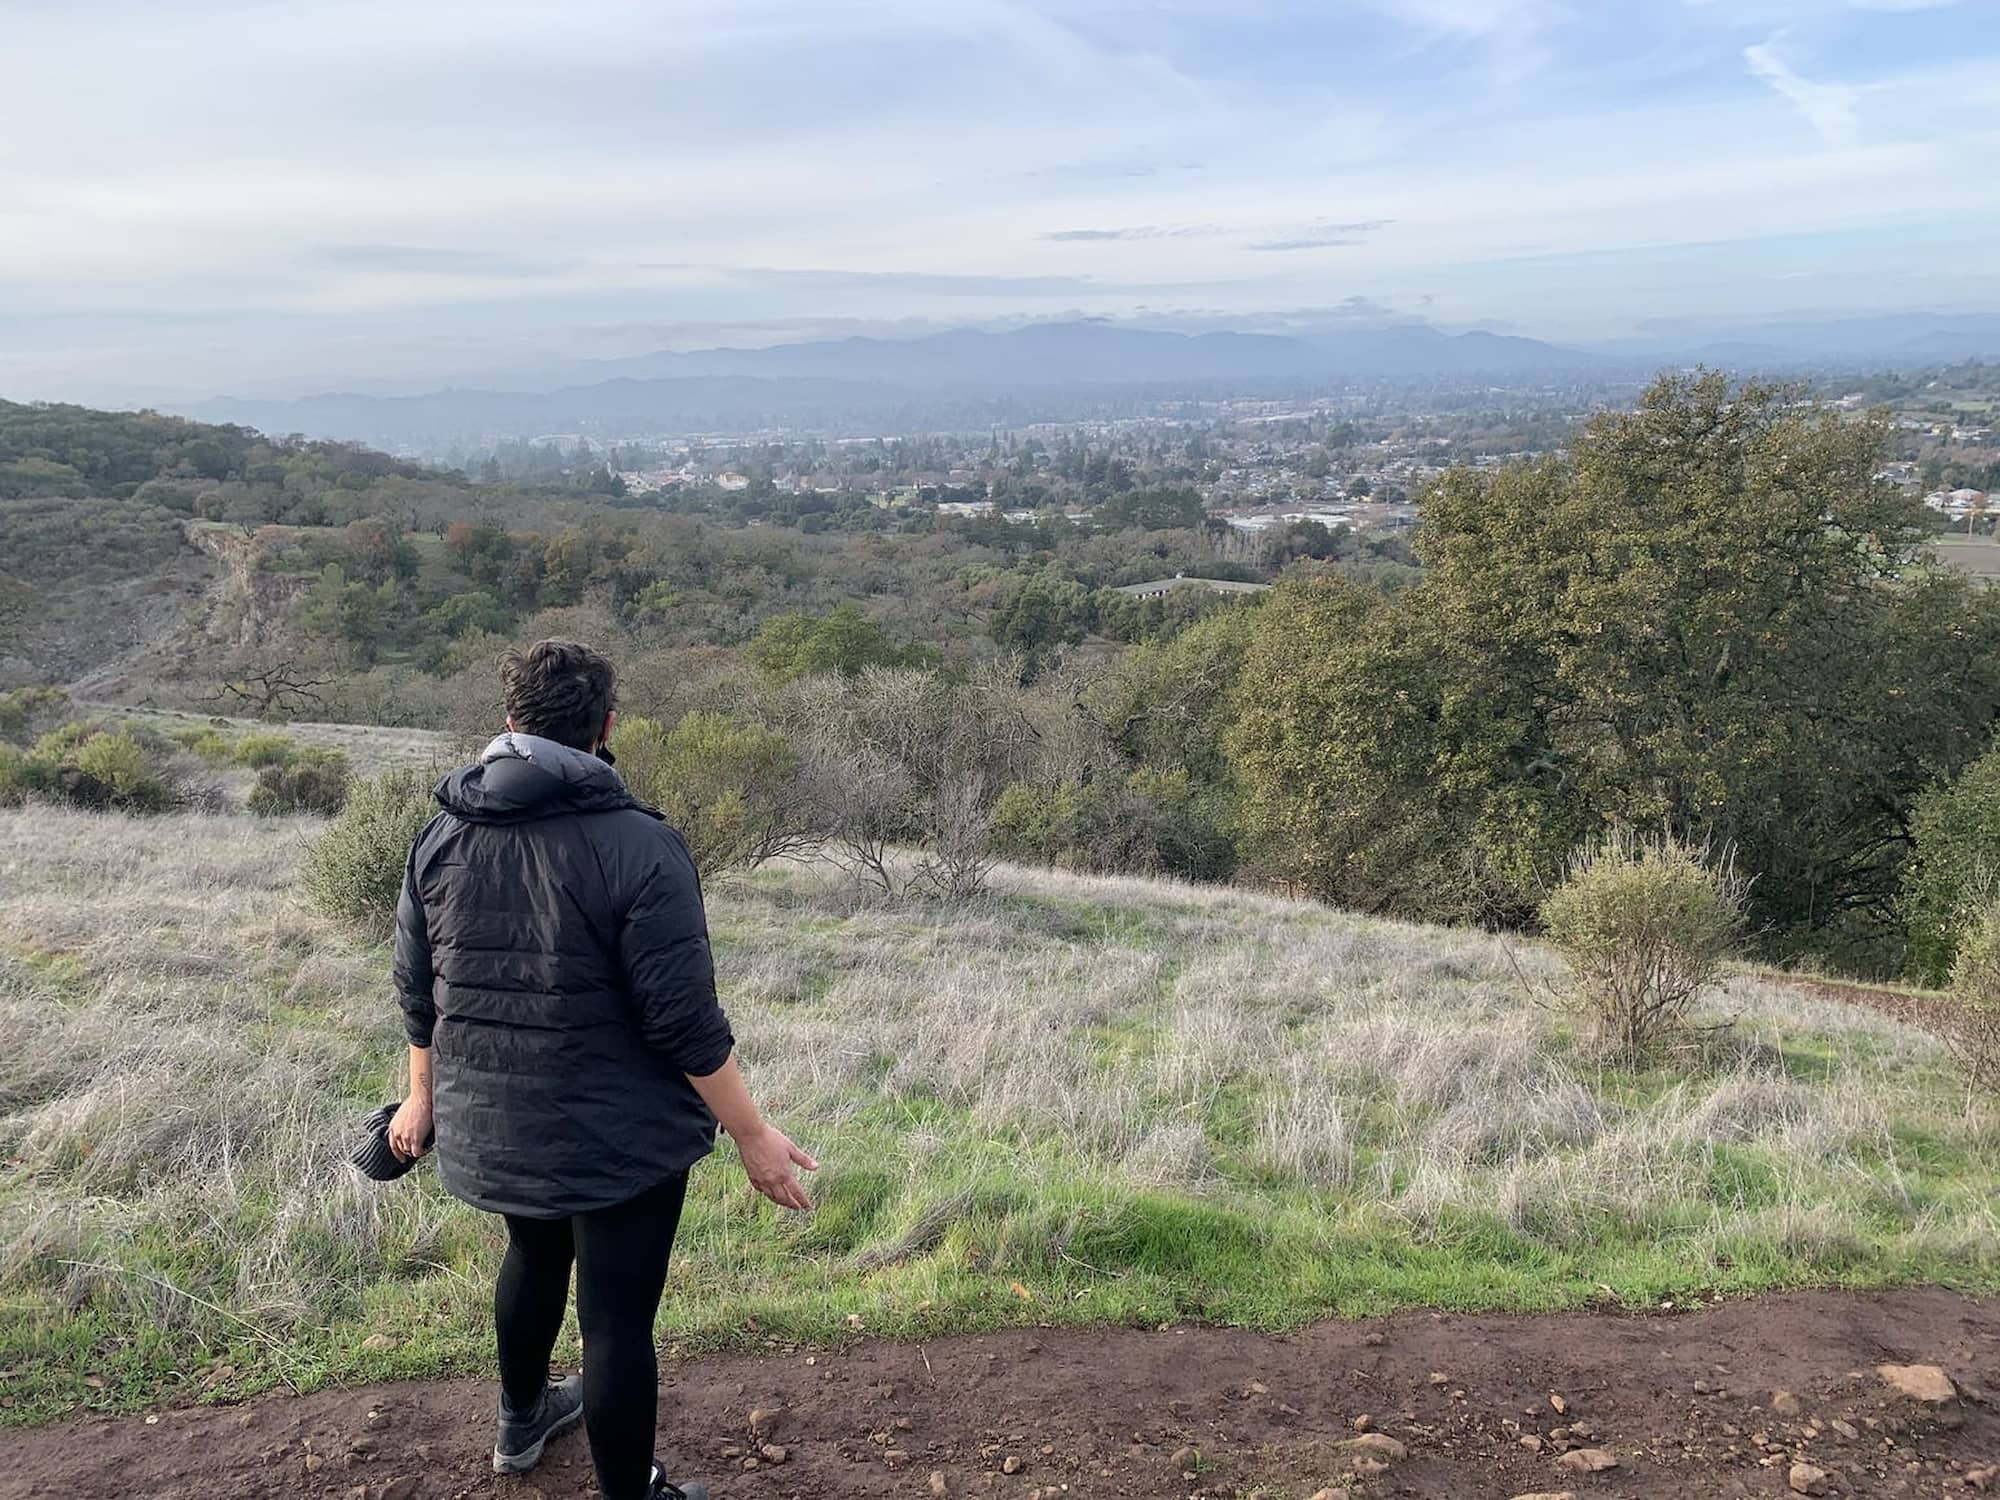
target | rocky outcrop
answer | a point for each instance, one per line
(252, 604)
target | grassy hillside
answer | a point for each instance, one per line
(1081, 1099)
(369, 748)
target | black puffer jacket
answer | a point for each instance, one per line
(552, 951)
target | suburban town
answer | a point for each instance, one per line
(1360, 460)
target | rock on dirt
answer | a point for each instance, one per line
(1923, 1383)
(1376, 1445)
(1805, 1479)
(1588, 1460)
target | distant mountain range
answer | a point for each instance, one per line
(1883, 339)
(1060, 354)
(965, 375)
(1044, 371)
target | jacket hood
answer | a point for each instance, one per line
(520, 777)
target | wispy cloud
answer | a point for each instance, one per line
(428, 260)
(1305, 242)
(1312, 236)
(1094, 171)
(1830, 107)
(1135, 232)
(1322, 235)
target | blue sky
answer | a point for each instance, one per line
(199, 196)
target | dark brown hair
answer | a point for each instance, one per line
(560, 690)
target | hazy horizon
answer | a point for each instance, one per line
(259, 198)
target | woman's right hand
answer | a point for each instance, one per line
(410, 1130)
(768, 1158)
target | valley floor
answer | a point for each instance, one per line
(1692, 1405)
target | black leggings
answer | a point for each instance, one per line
(621, 1269)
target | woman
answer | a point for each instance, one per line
(568, 1050)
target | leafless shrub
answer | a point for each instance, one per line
(958, 848)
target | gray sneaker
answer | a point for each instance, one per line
(665, 1489)
(523, 1438)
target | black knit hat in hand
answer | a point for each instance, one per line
(373, 1156)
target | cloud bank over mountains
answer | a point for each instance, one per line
(333, 191)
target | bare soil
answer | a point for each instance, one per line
(1929, 1010)
(1687, 1403)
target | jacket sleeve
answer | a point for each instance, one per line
(411, 964)
(663, 945)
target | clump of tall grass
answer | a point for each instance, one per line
(1973, 1032)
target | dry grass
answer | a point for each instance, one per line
(1134, 1098)
(371, 748)
(184, 1052)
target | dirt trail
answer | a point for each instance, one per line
(1931, 1010)
(1685, 1403)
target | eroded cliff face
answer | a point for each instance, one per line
(250, 604)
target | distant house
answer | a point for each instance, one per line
(1159, 588)
(1957, 502)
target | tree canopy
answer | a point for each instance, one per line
(1711, 620)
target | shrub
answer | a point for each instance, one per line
(262, 750)
(1974, 1030)
(116, 761)
(354, 870)
(210, 743)
(1149, 822)
(27, 711)
(1645, 924)
(88, 766)
(725, 785)
(1953, 868)
(14, 782)
(63, 741)
(845, 641)
(315, 781)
